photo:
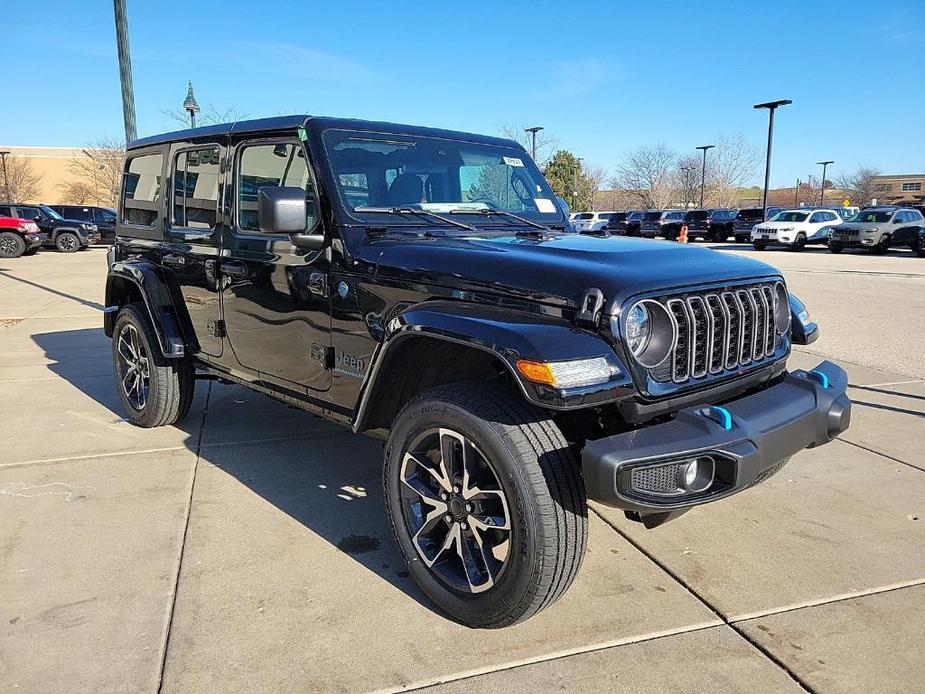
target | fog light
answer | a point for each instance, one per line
(690, 474)
(697, 475)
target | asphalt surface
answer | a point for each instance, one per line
(246, 549)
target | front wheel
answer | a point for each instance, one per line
(882, 246)
(486, 502)
(720, 236)
(155, 391)
(67, 242)
(11, 245)
(835, 247)
(799, 243)
(759, 245)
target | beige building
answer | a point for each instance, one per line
(52, 164)
(900, 189)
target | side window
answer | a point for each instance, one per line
(104, 216)
(81, 213)
(816, 217)
(5, 211)
(141, 190)
(279, 164)
(195, 188)
(28, 213)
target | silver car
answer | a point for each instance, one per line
(879, 228)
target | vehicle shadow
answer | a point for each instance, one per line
(315, 472)
(64, 295)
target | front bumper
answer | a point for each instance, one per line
(805, 410)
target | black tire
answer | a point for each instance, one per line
(170, 382)
(799, 243)
(720, 237)
(882, 246)
(32, 251)
(741, 239)
(835, 247)
(536, 474)
(671, 235)
(11, 245)
(67, 242)
(759, 246)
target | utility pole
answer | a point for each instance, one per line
(125, 70)
(796, 194)
(703, 171)
(6, 178)
(771, 106)
(191, 106)
(825, 165)
(578, 161)
(533, 131)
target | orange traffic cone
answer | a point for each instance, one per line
(682, 237)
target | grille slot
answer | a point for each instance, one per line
(658, 479)
(719, 331)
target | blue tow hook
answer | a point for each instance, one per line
(821, 377)
(720, 415)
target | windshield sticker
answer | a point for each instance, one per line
(545, 204)
(512, 161)
(447, 207)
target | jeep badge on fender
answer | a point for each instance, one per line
(423, 286)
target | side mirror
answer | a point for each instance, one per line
(282, 210)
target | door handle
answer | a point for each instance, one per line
(233, 269)
(175, 260)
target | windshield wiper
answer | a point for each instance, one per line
(504, 213)
(416, 211)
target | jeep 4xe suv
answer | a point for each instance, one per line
(420, 285)
(19, 237)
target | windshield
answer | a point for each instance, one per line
(868, 217)
(652, 216)
(751, 213)
(695, 214)
(378, 170)
(618, 217)
(790, 217)
(50, 212)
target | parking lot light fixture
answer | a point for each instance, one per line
(824, 165)
(703, 170)
(191, 106)
(772, 106)
(533, 131)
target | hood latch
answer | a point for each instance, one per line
(590, 308)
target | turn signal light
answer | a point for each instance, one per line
(567, 374)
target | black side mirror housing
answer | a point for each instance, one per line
(283, 210)
(802, 330)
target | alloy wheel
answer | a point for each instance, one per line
(455, 510)
(7, 246)
(134, 367)
(67, 242)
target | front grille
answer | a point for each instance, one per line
(719, 331)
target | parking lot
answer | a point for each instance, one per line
(248, 548)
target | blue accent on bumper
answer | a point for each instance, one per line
(821, 377)
(725, 417)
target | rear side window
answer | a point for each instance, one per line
(141, 190)
(195, 188)
(104, 216)
(585, 215)
(274, 164)
(81, 213)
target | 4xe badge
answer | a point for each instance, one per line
(349, 364)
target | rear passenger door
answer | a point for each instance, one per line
(906, 230)
(192, 236)
(276, 297)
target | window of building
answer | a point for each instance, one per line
(195, 188)
(883, 187)
(141, 190)
(281, 164)
(910, 187)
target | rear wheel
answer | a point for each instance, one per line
(835, 247)
(799, 243)
(720, 236)
(671, 234)
(486, 503)
(67, 242)
(11, 245)
(155, 391)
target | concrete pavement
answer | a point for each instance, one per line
(247, 548)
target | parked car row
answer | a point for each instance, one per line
(876, 228)
(24, 228)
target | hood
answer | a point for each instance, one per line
(559, 269)
(779, 225)
(861, 226)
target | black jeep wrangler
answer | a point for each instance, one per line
(420, 285)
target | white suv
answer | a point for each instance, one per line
(591, 221)
(796, 229)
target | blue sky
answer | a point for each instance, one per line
(602, 77)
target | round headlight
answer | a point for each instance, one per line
(649, 332)
(781, 309)
(637, 329)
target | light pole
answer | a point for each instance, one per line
(191, 106)
(824, 165)
(578, 161)
(533, 131)
(6, 178)
(771, 106)
(703, 171)
(687, 173)
(125, 70)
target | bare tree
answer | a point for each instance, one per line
(97, 174)
(649, 173)
(23, 183)
(733, 164)
(688, 179)
(210, 115)
(589, 183)
(545, 144)
(860, 187)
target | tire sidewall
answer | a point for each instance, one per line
(517, 575)
(65, 234)
(18, 240)
(131, 314)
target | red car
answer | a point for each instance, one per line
(19, 237)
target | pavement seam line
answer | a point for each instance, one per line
(882, 455)
(549, 657)
(90, 456)
(715, 610)
(822, 602)
(176, 582)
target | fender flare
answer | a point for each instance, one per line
(156, 294)
(507, 335)
(64, 230)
